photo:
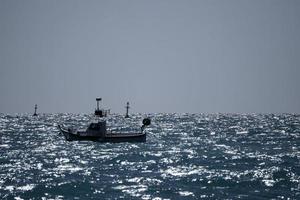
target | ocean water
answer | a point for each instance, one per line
(186, 156)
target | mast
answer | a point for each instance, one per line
(98, 111)
(35, 109)
(127, 108)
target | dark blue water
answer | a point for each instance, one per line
(187, 156)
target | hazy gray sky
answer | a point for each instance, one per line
(161, 55)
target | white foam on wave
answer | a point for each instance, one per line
(186, 193)
(268, 182)
(70, 168)
(132, 190)
(26, 187)
(9, 188)
(39, 166)
(62, 160)
(135, 179)
(241, 132)
(181, 171)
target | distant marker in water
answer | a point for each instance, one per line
(127, 108)
(35, 109)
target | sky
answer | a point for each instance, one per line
(163, 56)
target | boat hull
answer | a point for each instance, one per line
(112, 138)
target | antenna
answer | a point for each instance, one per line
(127, 108)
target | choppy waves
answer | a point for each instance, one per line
(187, 156)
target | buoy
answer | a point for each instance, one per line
(146, 121)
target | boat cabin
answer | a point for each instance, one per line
(94, 129)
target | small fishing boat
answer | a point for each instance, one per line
(97, 131)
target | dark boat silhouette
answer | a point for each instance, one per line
(98, 132)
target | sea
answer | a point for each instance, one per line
(186, 156)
